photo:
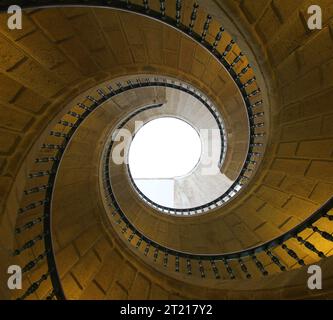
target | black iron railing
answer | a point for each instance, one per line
(138, 239)
(44, 177)
(235, 265)
(178, 85)
(239, 182)
(254, 255)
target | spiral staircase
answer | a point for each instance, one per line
(79, 71)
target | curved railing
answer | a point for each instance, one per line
(239, 182)
(139, 240)
(184, 87)
(39, 212)
(180, 258)
(190, 261)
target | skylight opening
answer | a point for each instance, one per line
(164, 148)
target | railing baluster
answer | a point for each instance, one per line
(59, 134)
(201, 269)
(155, 254)
(324, 234)
(110, 88)
(29, 244)
(251, 162)
(124, 229)
(147, 249)
(259, 134)
(259, 265)
(138, 243)
(120, 86)
(228, 48)
(228, 268)
(177, 264)
(36, 189)
(249, 170)
(328, 216)
(218, 38)
(51, 295)
(257, 115)
(130, 85)
(243, 72)
(29, 225)
(256, 104)
(244, 268)
(162, 8)
(310, 246)
(236, 60)
(32, 205)
(253, 93)
(46, 159)
(52, 146)
(83, 106)
(165, 259)
(215, 269)
(67, 124)
(92, 99)
(256, 144)
(146, 5)
(206, 27)
(188, 266)
(255, 154)
(193, 17)
(275, 260)
(293, 254)
(102, 94)
(31, 264)
(33, 288)
(131, 236)
(178, 11)
(138, 81)
(248, 82)
(258, 125)
(40, 174)
(74, 114)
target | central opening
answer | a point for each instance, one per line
(163, 150)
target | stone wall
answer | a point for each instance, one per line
(53, 59)
(58, 54)
(299, 169)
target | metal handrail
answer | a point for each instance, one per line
(160, 16)
(195, 94)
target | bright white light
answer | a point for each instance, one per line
(161, 191)
(164, 148)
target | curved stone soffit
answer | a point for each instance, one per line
(253, 106)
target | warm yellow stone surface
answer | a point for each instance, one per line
(60, 53)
